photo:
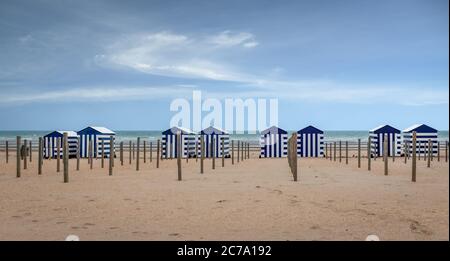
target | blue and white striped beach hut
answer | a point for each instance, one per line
(208, 135)
(310, 142)
(273, 143)
(97, 135)
(377, 140)
(423, 133)
(170, 144)
(50, 143)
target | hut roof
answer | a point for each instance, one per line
(175, 129)
(420, 128)
(385, 129)
(310, 129)
(99, 130)
(60, 133)
(273, 130)
(213, 130)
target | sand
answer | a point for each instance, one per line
(251, 200)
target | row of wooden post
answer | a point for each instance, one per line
(292, 155)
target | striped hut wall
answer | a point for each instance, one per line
(421, 142)
(377, 140)
(310, 144)
(207, 139)
(98, 141)
(50, 150)
(273, 145)
(84, 141)
(169, 145)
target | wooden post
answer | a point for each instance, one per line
(91, 152)
(446, 150)
(331, 152)
(294, 155)
(425, 151)
(248, 150)
(326, 150)
(393, 147)
(145, 153)
(66, 157)
(78, 153)
(31, 151)
(346, 152)
(151, 151)
(334, 151)
(429, 153)
(413, 178)
(202, 151)
(18, 143)
(439, 151)
(157, 153)
(385, 154)
(179, 155)
(130, 151)
(223, 153)
(232, 152)
(213, 152)
(133, 151)
(405, 151)
(25, 154)
(196, 150)
(369, 156)
(111, 155)
(7, 151)
(121, 153)
(40, 156)
(187, 149)
(238, 148)
(103, 153)
(58, 154)
(359, 153)
(340, 151)
(137, 153)
(242, 151)
(419, 149)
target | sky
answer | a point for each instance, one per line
(337, 65)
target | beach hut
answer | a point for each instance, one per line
(273, 143)
(310, 142)
(170, 145)
(377, 140)
(50, 143)
(97, 135)
(208, 135)
(423, 134)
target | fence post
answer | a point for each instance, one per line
(121, 153)
(232, 152)
(202, 152)
(242, 151)
(248, 150)
(145, 153)
(385, 154)
(137, 153)
(130, 158)
(439, 151)
(40, 156)
(25, 158)
(188, 147)
(196, 150)
(157, 153)
(334, 159)
(223, 152)
(91, 152)
(179, 155)
(394, 146)
(346, 152)
(103, 153)
(31, 151)
(405, 151)
(18, 142)
(213, 152)
(7, 151)
(238, 148)
(111, 155)
(414, 157)
(294, 155)
(151, 151)
(429, 153)
(369, 156)
(66, 157)
(58, 155)
(331, 151)
(78, 153)
(359, 153)
(340, 151)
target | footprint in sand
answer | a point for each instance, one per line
(74, 227)
(34, 220)
(279, 192)
(114, 228)
(16, 216)
(221, 201)
(314, 227)
(89, 224)
(174, 234)
(60, 222)
(416, 227)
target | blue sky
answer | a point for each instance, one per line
(338, 65)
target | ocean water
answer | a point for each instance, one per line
(351, 135)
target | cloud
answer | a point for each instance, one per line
(229, 39)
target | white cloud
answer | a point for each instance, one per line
(229, 39)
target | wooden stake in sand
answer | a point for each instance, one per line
(334, 159)
(232, 152)
(78, 153)
(157, 153)
(294, 156)
(385, 154)
(25, 154)
(187, 150)
(103, 153)
(223, 153)
(58, 154)
(40, 156)
(91, 153)
(179, 155)
(369, 156)
(340, 151)
(439, 151)
(405, 151)
(145, 153)
(242, 151)
(359, 153)
(66, 157)
(346, 152)
(130, 151)
(238, 147)
(446, 150)
(202, 151)
(137, 153)
(31, 151)
(213, 152)
(326, 150)
(90, 149)
(151, 151)
(18, 142)
(248, 150)
(429, 153)
(7, 151)
(331, 152)
(134, 147)
(196, 150)
(111, 154)
(413, 178)
(121, 153)
(393, 149)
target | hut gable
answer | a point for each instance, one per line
(273, 130)
(96, 130)
(213, 130)
(310, 129)
(385, 129)
(174, 130)
(421, 128)
(61, 134)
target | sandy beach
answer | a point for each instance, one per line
(251, 200)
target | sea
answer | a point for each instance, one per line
(329, 136)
